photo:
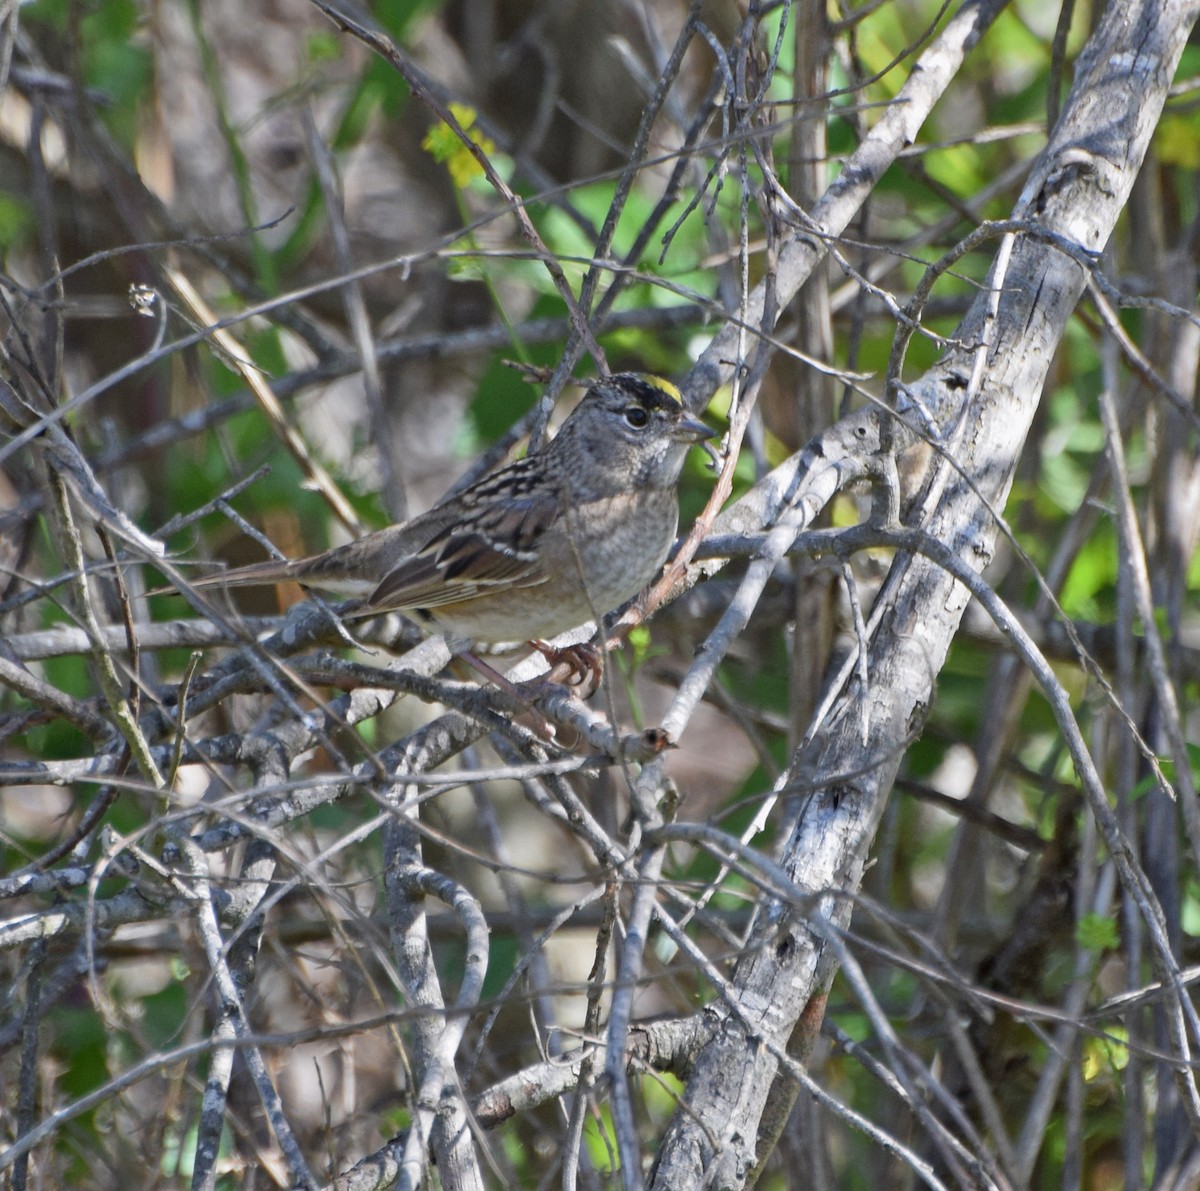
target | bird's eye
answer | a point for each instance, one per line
(636, 416)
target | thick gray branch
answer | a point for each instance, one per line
(1077, 190)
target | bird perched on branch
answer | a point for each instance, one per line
(537, 547)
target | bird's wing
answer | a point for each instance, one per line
(494, 543)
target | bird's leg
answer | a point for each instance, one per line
(540, 724)
(584, 660)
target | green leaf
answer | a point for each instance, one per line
(443, 143)
(1097, 932)
(16, 223)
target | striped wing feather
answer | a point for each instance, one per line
(495, 545)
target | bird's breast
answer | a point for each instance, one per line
(619, 544)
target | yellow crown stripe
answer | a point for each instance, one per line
(663, 386)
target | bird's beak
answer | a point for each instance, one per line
(689, 429)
